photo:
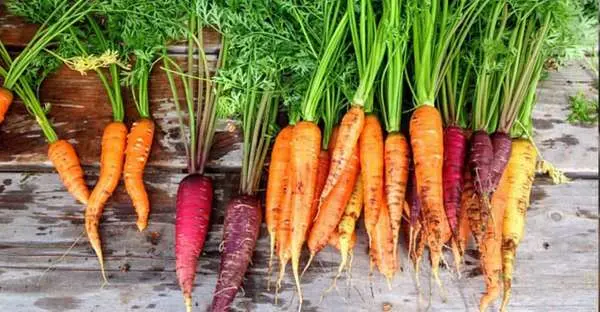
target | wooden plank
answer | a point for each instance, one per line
(573, 148)
(40, 221)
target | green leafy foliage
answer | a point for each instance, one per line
(583, 110)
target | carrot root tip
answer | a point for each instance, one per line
(188, 303)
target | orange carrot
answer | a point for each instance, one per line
(6, 98)
(396, 177)
(332, 140)
(65, 160)
(304, 159)
(111, 164)
(372, 167)
(471, 204)
(347, 136)
(464, 229)
(334, 240)
(276, 187)
(382, 246)
(139, 143)
(426, 137)
(332, 208)
(324, 162)
(491, 246)
(284, 226)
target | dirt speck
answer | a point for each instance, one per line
(151, 306)
(546, 245)
(125, 267)
(153, 238)
(7, 182)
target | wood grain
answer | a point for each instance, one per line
(40, 221)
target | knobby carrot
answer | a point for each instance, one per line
(491, 246)
(276, 188)
(6, 98)
(371, 149)
(304, 158)
(348, 134)
(332, 208)
(396, 177)
(139, 143)
(111, 166)
(471, 204)
(65, 160)
(426, 137)
(520, 173)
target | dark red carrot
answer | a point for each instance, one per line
(194, 201)
(502, 145)
(241, 230)
(480, 160)
(455, 148)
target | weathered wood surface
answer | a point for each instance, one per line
(40, 222)
(556, 268)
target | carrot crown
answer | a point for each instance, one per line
(439, 29)
(25, 92)
(393, 75)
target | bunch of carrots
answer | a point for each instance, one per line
(461, 165)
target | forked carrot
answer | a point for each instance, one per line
(276, 188)
(426, 136)
(372, 170)
(65, 160)
(6, 98)
(139, 143)
(111, 165)
(304, 159)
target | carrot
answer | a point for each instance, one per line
(501, 143)
(347, 137)
(396, 177)
(455, 148)
(464, 228)
(332, 141)
(241, 230)
(491, 246)
(426, 136)
(6, 98)
(520, 173)
(111, 166)
(382, 246)
(471, 204)
(276, 188)
(304, 157)
(284, 228)
(332, 208)
(334, 241)
(480, 161)
(65, 160)
(371, 149)
(192, 217)
(139, 142)
(322, 171)
(347, 225)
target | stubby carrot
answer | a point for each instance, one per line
(520, 173)
(396, 157)
(276, 188)
(6, 98)
(426, 137)
(65, 160)
(192, 218)
(139, 143)
(304, 159)
(114, 140)
(371, 147)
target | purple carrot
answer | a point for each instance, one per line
(502, 145)
(455, 149)
(415, 203)
(194, 202)
(242, 226)
(480, 161)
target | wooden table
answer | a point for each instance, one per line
(557, 263)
